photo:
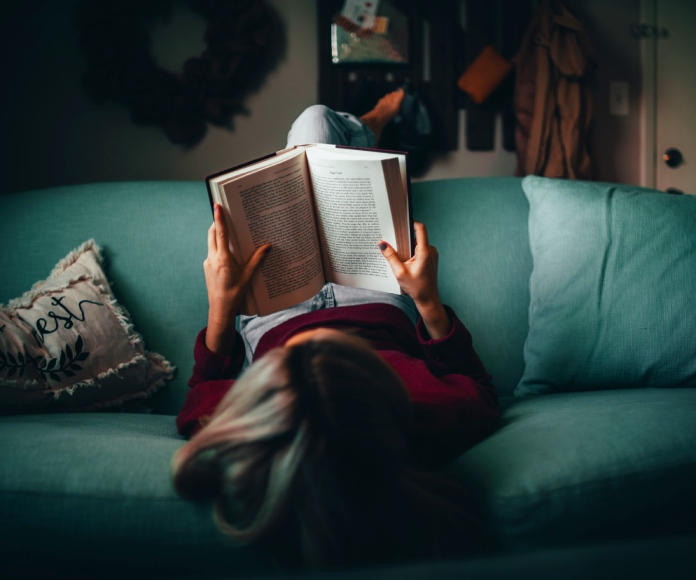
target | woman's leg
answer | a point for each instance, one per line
(319, 124)
(252, 328)
(347, 296)
(316, 124)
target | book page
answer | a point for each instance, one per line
(273, 205)
(399, 203)
(353, 215)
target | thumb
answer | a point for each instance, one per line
(389, 253)
(254, 262)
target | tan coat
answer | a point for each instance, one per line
(553, 100)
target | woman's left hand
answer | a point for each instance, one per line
(227, 282)
(417, 277)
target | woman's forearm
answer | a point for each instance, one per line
(221, 335)
(437, 321)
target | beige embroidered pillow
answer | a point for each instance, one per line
(66, 345)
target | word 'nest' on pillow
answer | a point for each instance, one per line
(67, 345)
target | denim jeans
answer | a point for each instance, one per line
(252, 328)
(319, 124)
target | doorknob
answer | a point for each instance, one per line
(673, 157)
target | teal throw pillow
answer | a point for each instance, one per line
(613, 288)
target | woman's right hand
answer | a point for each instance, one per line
(227, 282)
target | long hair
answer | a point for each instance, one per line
(308, 453)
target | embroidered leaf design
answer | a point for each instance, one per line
(14, 366)
(65, 364)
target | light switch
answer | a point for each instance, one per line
(618, 99)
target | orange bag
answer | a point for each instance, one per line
(484, 74)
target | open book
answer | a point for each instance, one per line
(324, 208)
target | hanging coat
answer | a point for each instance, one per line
(553, 100)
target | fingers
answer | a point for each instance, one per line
(254, 262)
(421, 235)
(212, 240)
(389, 253)
(220, 230)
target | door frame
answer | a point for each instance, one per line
(648, 118)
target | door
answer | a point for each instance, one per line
(675, 96)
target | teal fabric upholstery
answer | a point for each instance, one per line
(479, 227)
(612, 289)
(154, 239)
(562, 469)
(96, 487)
(153, 235)
(91, 493)
(587, 467)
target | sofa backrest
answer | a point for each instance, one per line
(154, 239)
(153, 235)
(479, 226)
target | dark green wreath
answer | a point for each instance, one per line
(113, 36)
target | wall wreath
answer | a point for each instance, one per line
(114, 38)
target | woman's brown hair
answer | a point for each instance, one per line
(309, 454)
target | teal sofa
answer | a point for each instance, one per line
(573, 483)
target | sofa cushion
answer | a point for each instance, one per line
(153, 234)
(612, 288)
(95, 488)
(588, 466)
(154, 237)
(479, 226)
(66, 344)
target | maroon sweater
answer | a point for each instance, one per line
(453, 401)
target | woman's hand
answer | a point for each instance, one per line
(418, 278)
(227, 283)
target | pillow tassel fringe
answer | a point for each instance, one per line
(83, 265)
